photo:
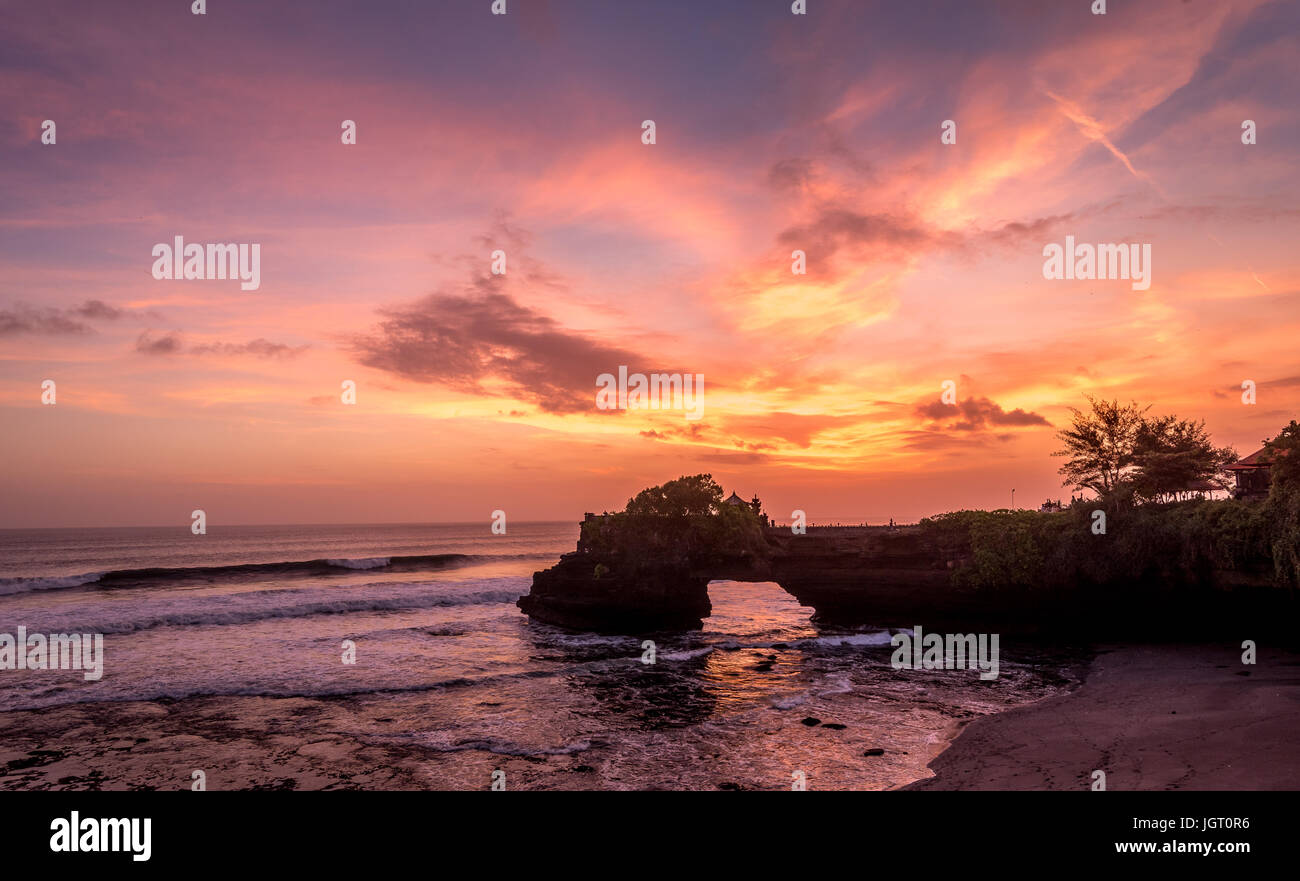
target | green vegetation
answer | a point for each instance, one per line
(1283, 505)
(683, 521)
(1179, 542)
(1140, 469)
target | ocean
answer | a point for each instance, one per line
(226, 652)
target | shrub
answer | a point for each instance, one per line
(683, 521)
(1182, 542)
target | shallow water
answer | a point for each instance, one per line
(449, 671)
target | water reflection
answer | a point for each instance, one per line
(747, 652)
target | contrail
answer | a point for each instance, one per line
(1093, 131)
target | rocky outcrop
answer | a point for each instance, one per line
(584, 593)
(889, 578)
(848, 574)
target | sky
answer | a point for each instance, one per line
(523, 133)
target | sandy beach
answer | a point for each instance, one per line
(1151, 717)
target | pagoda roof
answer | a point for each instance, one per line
(1251, 461)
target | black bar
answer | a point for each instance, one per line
(848, 831)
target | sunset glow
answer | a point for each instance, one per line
(774, 133)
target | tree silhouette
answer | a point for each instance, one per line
(1100, 445)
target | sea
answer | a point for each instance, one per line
(448, 679)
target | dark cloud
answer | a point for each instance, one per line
(464, 340)
(1016, 232)
(836, 228)
(893, 236)
(502, 234)
(167, 344)
(259, 348)
(728, 457)
(974, 414)
(1233, 391)
(171, 343)
(837, 146)
(52, 321)
(789, 174)
(46, 322)
(98, 310)
(693, 431)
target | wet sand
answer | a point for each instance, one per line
(878, 734)
(1163, 717)
(1150, 717)
(364, 742)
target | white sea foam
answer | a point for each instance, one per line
(841, 685)
(9, 586)
(686, 655)
(130, 615)
(838, 685)
(876, 638)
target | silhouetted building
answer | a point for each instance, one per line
(1252, 476)
(1203, 489)
(755, 505)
